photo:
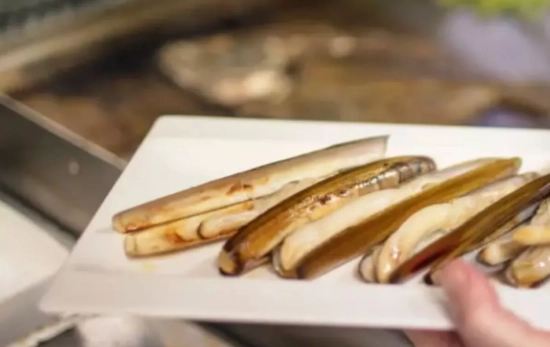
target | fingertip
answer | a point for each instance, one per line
(482, 286)
(454, 277)
(471, 281)
(467, 288)
(476, 311)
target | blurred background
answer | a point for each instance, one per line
(106, 69)
(82, 81)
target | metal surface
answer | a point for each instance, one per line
(58, 181)
(53, 170)
(22, 322)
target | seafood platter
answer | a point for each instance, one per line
(315, 223)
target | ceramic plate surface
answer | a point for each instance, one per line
(181, 152)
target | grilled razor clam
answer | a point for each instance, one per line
(358, 240)
(474, 232)
(513, 223)
(367, 268)
(297, 245)
(499, 247)
(257, 239)
(176, 235)
(160, 240)
(500, 251)
(433, 222)
(251, 184)
(530, 268)
(537, 231)
(222, 224)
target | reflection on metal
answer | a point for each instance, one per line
(60, 174)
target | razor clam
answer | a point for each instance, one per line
(161, 239)
(530, 268)
(257, 239)
(471, 234)
(500, 251)
(537, 231)
(357, 240)
(367, 266)
(222, 224)
(251, 184)
(297, 245)
(433, 222)
(499, 246)
(176, 235)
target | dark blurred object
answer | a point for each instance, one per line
(39, 38)
(352, 60)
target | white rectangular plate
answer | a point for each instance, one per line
(181, 152)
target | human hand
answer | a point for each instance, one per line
(479, 318)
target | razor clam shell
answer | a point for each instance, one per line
(258, 238)
(433, 222)
(297, 245)
(251, 184)
(176, 235)
(357, 240)
(221, 224)
(160, 240)
(473, 233)
(367, 265)
(499, 247)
